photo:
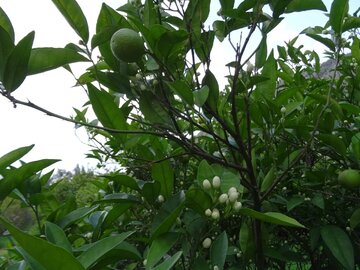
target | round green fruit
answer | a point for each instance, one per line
(349, 178)
(127, 45)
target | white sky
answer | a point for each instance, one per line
(53, 90)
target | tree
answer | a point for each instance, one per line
(245, 175)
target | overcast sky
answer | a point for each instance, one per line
(54, 90)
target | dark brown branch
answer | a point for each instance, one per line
(49, 113)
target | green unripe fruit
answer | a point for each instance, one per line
(127, 45)
(349, 178)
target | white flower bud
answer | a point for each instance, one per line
(283, 110)
(206, 184)
(216, 267)
(233, 196)
(138, 76)
(216, 182)
(223, 198)
(208, 212)
(237, 206)
(231, 190)
(145, 262)
(206, 243)
(215, 214)
(249, 67)
(161, 198)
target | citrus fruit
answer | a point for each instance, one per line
(349, 178)
(127, 45)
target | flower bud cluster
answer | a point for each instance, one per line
(214, 214)
(216, 183)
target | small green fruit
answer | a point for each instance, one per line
(127, 45)
(349, 178)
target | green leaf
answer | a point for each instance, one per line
(244, 237)
(218, 250)
(210, 81)
(261, 54)
(15, 155)
(201, 95)
(150, 191)
(303, 5)
(198, 200)
(220, 30)
(163, 173)
(17, 64)
(167, 215)
(159, 247)
(318, 200)
(6, 47)
(294, 201)
(338, 11)
(339, 244)
(44, 59)
(204, 45)
(115, 81)
(100, 248)
(115, 213)
(271, 217)
(171, 43)
(228, 178)
(350, 108)
(197, 12)
(183, 90)
(106, 110)
(268, 179)
(350, 23)
(325, 41)
(150, 13)
(355, 48)
(17, 176)
(267, 88)
(169, 262)
(355, 219)
(50, 256)
(33, 264)
(57, 236)
(355, 145)
(227, 5)
(154, 110)
(5, 23)
(72, 12)
(282, 52)
(335, 142)
(75, 215)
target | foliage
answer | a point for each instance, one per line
(80, 185)
(234, 176)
